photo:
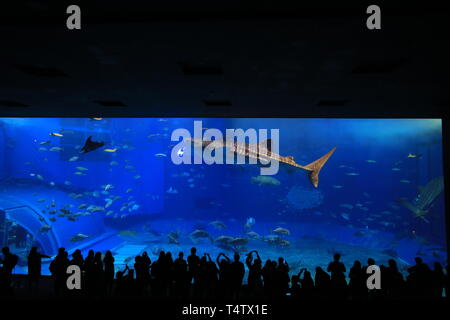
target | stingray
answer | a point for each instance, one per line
(90, 145)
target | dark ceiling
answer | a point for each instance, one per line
(256, 59)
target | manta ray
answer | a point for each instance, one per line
(90, 145)
(425, 199)
(262, 151)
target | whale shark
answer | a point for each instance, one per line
(425, 199)
(262, 151)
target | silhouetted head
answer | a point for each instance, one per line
(145, 254)
(258, 262)
(392, 264)
(108, 254)
(162, 255)
(370, 262)
(137, 259)
(33, 250)
(280, 260)
(295, 279)
(91, 253)
(237, 257)
(437, 266)
(357, 264)
(76, 253)
(169, 255)
(98, 256)
(61, 250)
(181, 255)
(418, 260)
(5, 250)
(336, 257)
(193, 250)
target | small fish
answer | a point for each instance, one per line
(370, 161)
(45, 228)
(96, 119)
(337, 186)
(345, 216)
(55, 134)
(78, 237)
(113, 163)
(110, 150)
(110, 212)
(414, 155)
(74, 158)
(281, 231)
(82, 206)
(160, 155)
(44, 142)
(137, 177)
(42, 149)
(128, 190)
(51, 183)
(78, 173)
(172, 191)
(395, 169)
(67, 183)
(405, 181)
(352, 174)
(81, 168)
(56, 149)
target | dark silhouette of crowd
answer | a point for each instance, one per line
(202, 278)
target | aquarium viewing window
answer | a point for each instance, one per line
(303, 188)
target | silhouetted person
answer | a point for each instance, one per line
(420, 279)
(268, 273)
(193, 265)
(322, 282)
(307, 284)
(281, 277)
(337, 270)
(392, 280)
(158, 275)
(211, 278)
(438, 281)
(181, 280)
(108, 262)
(237, 272)
(34, 267)
(89, 270)
(357, 284)
(224, 276)
(255, 284)
(8, 262)
(58, 269)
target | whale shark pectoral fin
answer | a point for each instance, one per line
(316, 166)
(407, 205)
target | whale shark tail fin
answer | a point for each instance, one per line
(315, 167)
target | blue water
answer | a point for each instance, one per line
(353, 210)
